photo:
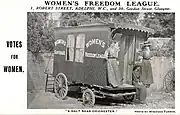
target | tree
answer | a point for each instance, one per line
(162, 23)
(39, 33)
(97, 17)
(40, 28)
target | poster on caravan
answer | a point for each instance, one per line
(89, 57)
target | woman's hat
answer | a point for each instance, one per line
(112, 41)
(146, 43)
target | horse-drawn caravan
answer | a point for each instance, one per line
(79, 60)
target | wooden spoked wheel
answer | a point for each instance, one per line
(88, 98)
(129, 97)
(169, 81)
(60, 86)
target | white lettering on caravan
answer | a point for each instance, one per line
(94, 55)
(60, 41)
(59, 52)
(95, 41)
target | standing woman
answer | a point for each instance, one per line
(114, 76)
(146, 69)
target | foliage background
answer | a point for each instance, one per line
(40, 27)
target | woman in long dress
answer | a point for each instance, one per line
(114, 76)
(146, 70)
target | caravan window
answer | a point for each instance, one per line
(80, 43)
(70, 48)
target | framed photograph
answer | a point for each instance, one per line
(89, 57)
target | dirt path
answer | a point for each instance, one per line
(47, 100)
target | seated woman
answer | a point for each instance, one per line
(141, 88)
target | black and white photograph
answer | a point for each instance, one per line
(100, 60)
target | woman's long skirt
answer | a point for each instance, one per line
(141, 92)
(114, 77)
(146, 73)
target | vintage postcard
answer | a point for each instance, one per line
(91, 57)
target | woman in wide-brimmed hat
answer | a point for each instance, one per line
(146, 69)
